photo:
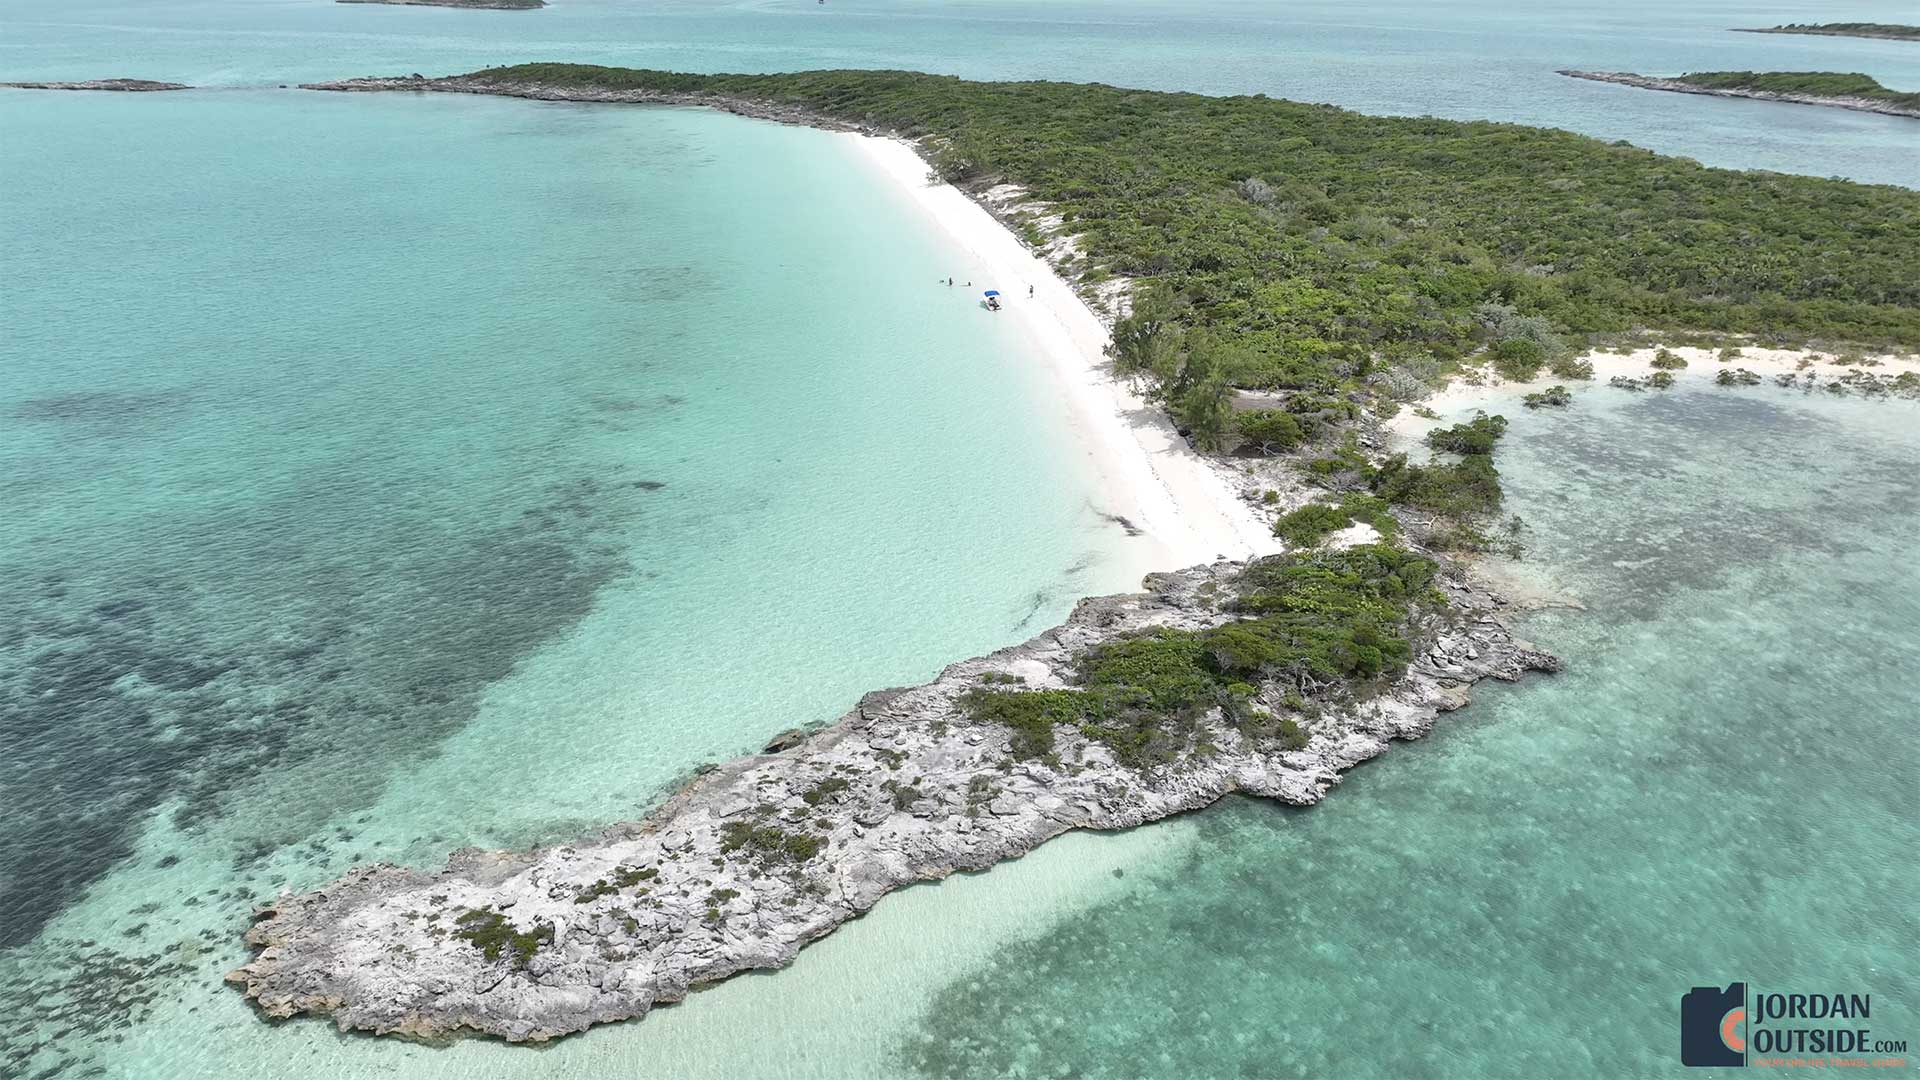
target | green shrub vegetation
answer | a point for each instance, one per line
(1668, 360)
(1817, 83)
(1314, 522)
(1895, 31)
(1293, 246)
(1551, 397)
(624, 878)
(824, 790)
(1272, 431)
(769, 844)
(1465, 489)
(1317, 621)
(1275, 245)
(496, 937)
(1476, 436)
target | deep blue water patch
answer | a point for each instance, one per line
(129, 682)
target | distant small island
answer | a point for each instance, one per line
(1888, 31)
(128, 85)
(493, 5)
(1849, 90)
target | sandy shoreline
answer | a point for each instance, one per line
(1147, 472)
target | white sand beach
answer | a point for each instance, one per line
(1149, 474)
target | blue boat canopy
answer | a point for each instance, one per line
(993, 292)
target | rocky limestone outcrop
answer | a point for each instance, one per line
(752, 860)
(128, 85)
(1838, 101)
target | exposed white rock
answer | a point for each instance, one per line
(904, 788)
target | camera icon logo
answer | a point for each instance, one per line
(1711, 1020)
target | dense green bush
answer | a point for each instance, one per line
(1314, 522)
(1319, 622)
(1476, 436)
(1466, 489)
(1519, 359)
(1817, 83)
(1272, 431)
(1552, 396)
(1571, 367)
(1311, 524)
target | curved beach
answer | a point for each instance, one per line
(1156, 481)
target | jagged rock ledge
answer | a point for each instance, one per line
(1650, 82)
(128, 85)
(754, 859)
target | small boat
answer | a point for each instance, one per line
(993, 299)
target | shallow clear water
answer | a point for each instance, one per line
(1719, 787)
(385, 475)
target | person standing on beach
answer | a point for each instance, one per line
(1029, 292)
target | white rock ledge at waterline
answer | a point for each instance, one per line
(904, 788)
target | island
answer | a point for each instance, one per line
(1279, 279)
(490, 5)
(1270, 679)
(1888, 31)
(127, 85)
(1851, 90)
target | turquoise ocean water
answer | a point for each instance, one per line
(384, 475)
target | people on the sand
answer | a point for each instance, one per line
(1029, 292)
